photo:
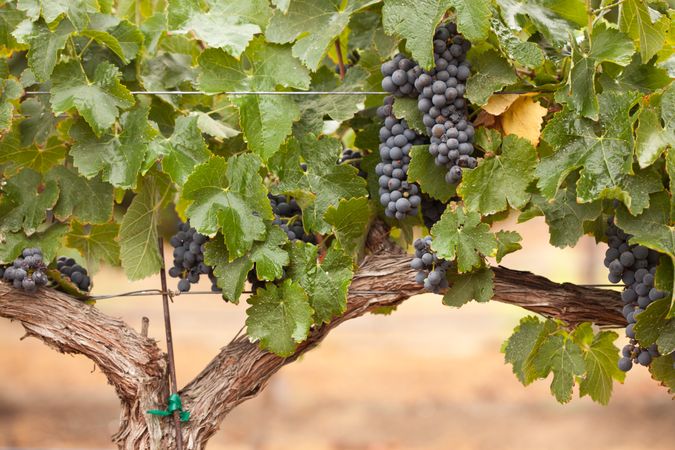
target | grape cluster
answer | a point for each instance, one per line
(399, 197)
(352, 60)
(442, 102)
(431, 270)
(400, 76)
(188, 258)
(27, 271)
(352, 157)
(76, 273)
(432, 210)
(635, 266)
(288, 215)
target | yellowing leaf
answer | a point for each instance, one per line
(498, 103)
(524, 119)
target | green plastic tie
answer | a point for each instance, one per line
(174, 404)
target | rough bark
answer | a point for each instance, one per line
(136, 367)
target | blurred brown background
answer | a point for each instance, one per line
(427, 377)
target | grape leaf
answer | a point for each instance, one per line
(118, 156)
(460, 234)
(28, 197)
(563, 357)
(507, 242)
(139, 251)
(214, 127)
(229, 196)
(501, 181)
(608, 45)
(230, 275)
(228, 24)
(97, 100)
(95, 242)
(10, 18)
(635, 20)
(324, 183)
(326, 283)
(9, 90)
(37, 157)
(90, 201)
(184, 150)
(653, 327)
(313, 25)
(350, 220)
(265, 120)
(602, 151)
(662, 370)
(45, 45)
(552, 18)
(565, 217)
(49, 241)
(526, 53)
(491, 73)
(77, 11)
(38, 124)
(601, 358)
(107, 40)
(406, 108)
(269, 257)
(525, 341)
(651, 137)
(430, 177)
(477, 285)
(279, 317)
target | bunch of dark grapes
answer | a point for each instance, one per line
(432, 210)
(353, 58)
(442, 102)
(635, 266)
(399, 197)
(352, 157)
(27, 271)
(431, 270)
(400, 75)
(188, 258)
(76, 273)
(288, 215)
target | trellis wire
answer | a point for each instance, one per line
(263, 93)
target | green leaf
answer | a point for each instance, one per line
(40, 158)
(313, 25)
(651, 138)
(49, 241)
(231, 275)
(406, 108)
(324, 183)
(525, 53)
(89, 201)
(662, 370)
(270, 259)
(139, 251)
(229, 196)
(213, 127)
(461, 234)
(601, 358)
(430, 177)
(608, 45)
(119, 156)
(97, 100)
(95, 242)
(507, 242)
(565, 217)
(265, 120)
(38, 124)
(326, 283)
(477, 285)
(107, 40)
(635, 19)
(9, 90)
(491, 73)
(279, 317)
(653, 327)
(602, 151)
(553, 18)
(488, 139)
(563, 357)
(45, 45)
(10, 18)
(350, 220)
(184, 150)
(501, 181)
(228, 24)
(525, 341)
(28, 198)
(77, 11)
(416, 22)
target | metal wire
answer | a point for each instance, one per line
(239, 93)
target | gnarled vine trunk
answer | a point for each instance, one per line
(137, 368)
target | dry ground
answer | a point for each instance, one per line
(427, 377)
